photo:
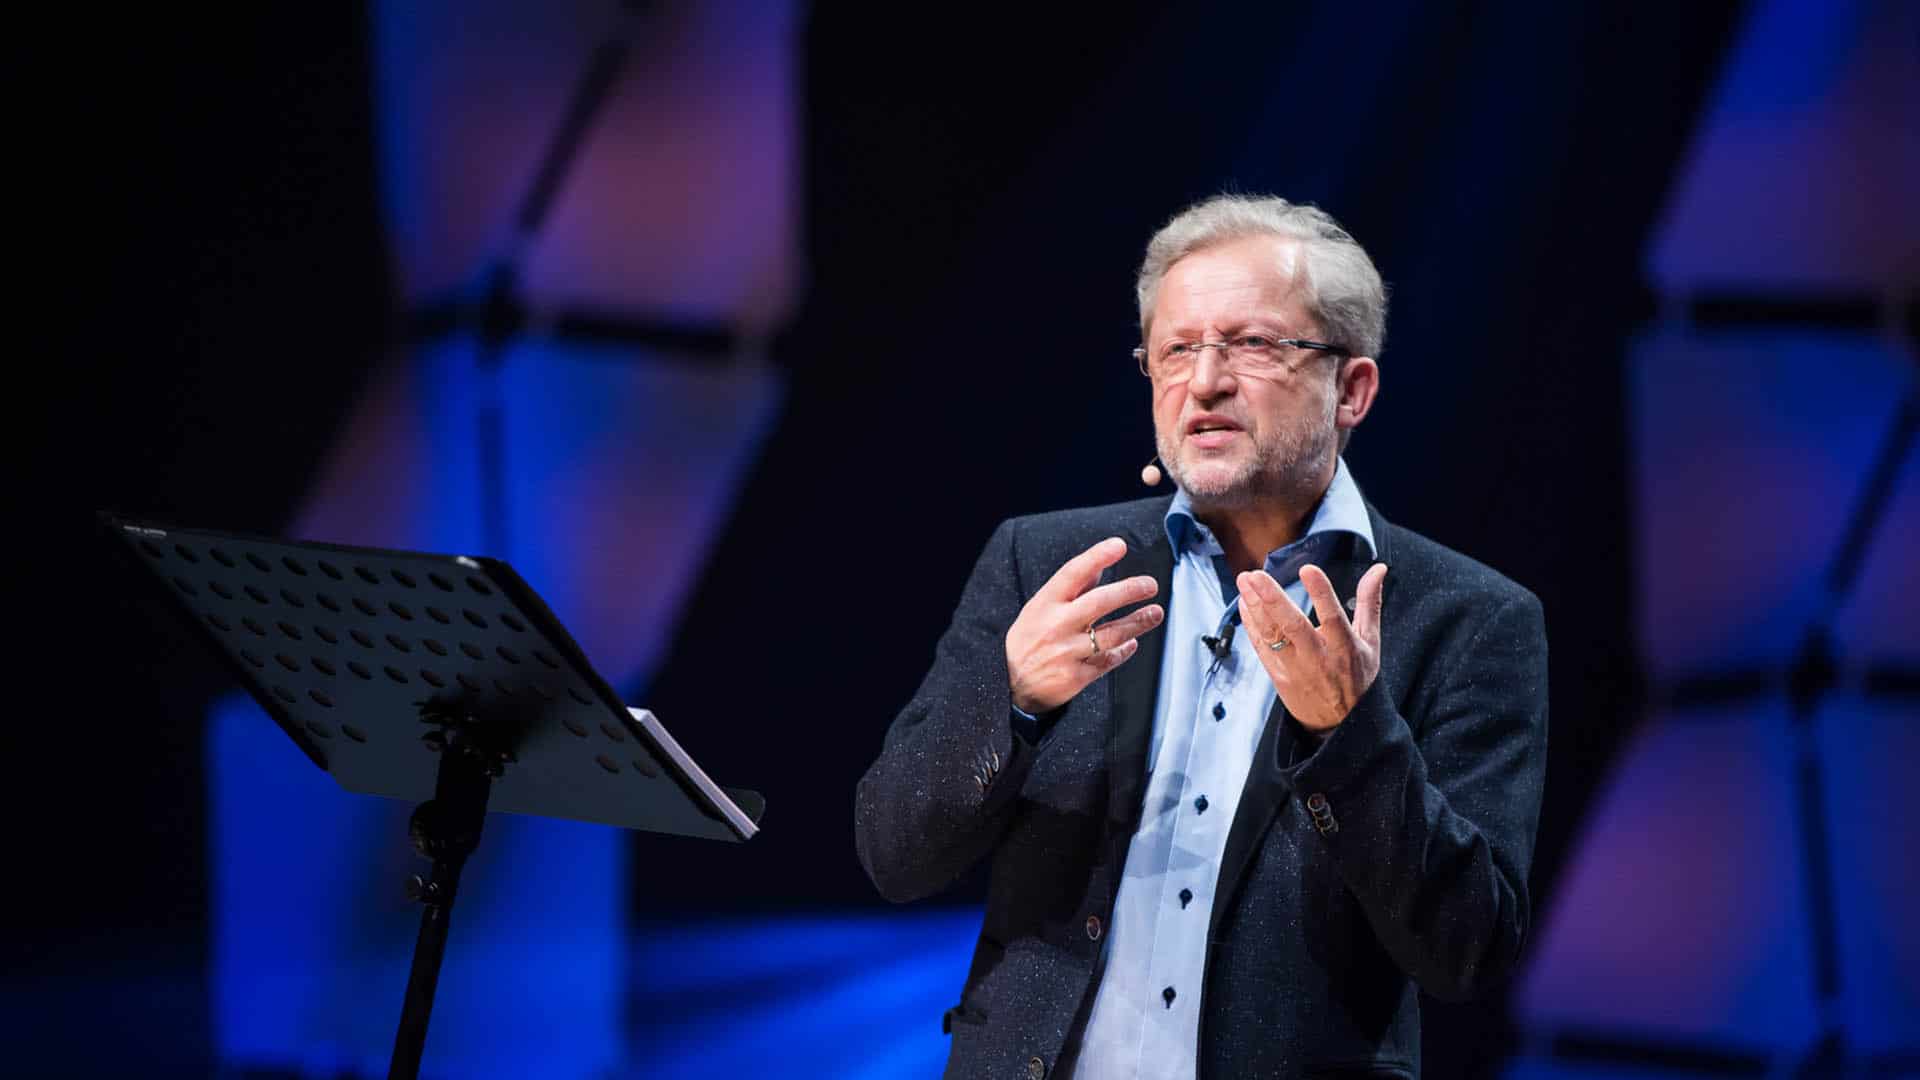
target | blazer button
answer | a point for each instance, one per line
(1093, 928)
(1322, 814)
(1036, 1069)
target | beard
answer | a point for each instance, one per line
(1286, 464)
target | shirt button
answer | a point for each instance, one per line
(1167, 996)
(1200, 805)
(1093, 928)
(1219, 711)
(1186, 897)
(1036, 1069)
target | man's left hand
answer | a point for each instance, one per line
(1321, 671)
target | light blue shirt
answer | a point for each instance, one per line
(1207, 721)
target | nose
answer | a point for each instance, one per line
(1211, 377)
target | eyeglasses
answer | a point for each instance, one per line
(1255, 355)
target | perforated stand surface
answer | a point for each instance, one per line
(360, 654)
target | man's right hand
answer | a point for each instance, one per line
(1050, 654)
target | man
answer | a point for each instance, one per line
(1228, 838)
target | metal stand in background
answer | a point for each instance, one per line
(441, 680)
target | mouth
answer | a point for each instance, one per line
(1218, 427)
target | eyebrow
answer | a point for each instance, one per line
(1274, 327)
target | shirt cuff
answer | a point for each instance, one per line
(1028, 727)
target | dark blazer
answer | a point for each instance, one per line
(1409, 872)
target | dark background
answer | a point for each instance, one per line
(976, 193)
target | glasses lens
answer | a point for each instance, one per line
(1253, 355)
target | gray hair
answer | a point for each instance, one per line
(1344, 292)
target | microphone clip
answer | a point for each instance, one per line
(1221, 647)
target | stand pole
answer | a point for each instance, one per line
(445, 829)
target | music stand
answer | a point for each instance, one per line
(439, 679)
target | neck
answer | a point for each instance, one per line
(1250, 530)
(1249, 535)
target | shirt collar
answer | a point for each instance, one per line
(1341, 510)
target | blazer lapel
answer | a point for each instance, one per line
(1261, 797)
(1136, 683)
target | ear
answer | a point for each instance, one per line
(1359, 382)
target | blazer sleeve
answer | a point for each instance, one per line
(945, 784)
(1433, 832)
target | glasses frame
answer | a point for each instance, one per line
(1140, 355)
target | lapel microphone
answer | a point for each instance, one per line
(1221, 647)
(1150, 473)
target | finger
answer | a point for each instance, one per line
(1129, 626)
(1273, 610)
(1078, 574)
(1326, 602)
(1098, 603)
(1263, 630)
(1112, 658)
(1368, 602)
(1260, 622)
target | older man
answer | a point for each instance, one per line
(1245, 789)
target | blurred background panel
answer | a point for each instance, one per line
(1727, 911)
(1683, 919)
(600, 462)
(1871, 811)
(737, 327)
(1801, 181)
(1744, 500)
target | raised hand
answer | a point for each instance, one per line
(1054, 649)
(1319, 672)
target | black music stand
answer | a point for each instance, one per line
(439, 679)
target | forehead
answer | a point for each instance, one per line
(1253, 278)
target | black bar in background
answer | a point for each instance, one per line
(1700, 1060)
(684, 340)
(1716, 311)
